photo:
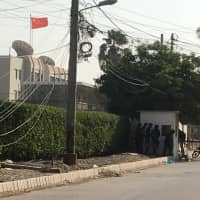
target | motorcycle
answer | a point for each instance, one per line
(196, 153)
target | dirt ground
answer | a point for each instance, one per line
(7, 174)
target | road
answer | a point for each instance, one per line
(171, 182)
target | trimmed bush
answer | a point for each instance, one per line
(97, 133)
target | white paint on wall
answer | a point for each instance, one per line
(15, 80)
(161, 118)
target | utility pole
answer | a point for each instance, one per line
(161, 41)
(172, 41)
(70, 154)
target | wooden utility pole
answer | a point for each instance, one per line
(172, 41)
(70, 154)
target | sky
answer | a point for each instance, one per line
(143, 20)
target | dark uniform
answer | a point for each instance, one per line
(155, 135)
(138, 138)
(168, 144)
(148, 138)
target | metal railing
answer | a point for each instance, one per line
(192, 144)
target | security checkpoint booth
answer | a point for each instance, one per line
(166, 120)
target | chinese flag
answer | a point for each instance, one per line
(39, 22)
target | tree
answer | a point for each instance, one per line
(112, 50)
(154, 78)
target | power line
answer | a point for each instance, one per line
(43, 52)
(138, 29)
(30, 118)
(5, 75)
(127, 81)
(128, 35)
(9, 110)
(147, 85)
(155, 28)
(44, 13)
(29, 130)
(118, 27)
(188, 43)
(154, 18)
(130, 78)
(12, 110)
(22, 7)
(12, 103)
(185, 47)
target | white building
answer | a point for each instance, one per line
(17, 71)
(166, 120)
(10, 77)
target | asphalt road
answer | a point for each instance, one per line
(172, 182)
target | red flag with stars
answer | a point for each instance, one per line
(39, 22)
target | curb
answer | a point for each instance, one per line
(26, 185)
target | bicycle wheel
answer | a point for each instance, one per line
(195, 154)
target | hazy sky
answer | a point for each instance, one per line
(150, 16)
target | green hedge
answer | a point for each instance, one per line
(97, 133)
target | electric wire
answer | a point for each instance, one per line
(20, 98)
(4, 76)
(29, 130)
(188, 43)
(22, 7)
(47, 51)
(153, 27)
(154, 18)
(12, 110)
(13, 104)
(129, 25)
(127, 81)
(30, 118)
(9, 107)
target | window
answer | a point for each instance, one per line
(32, 76)
(37, 76)
(41, 77)
(16, 74)
(20, 74)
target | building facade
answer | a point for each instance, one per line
(28, 78)
(88, 97)
(10, 77)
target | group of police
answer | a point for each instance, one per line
(148, 140)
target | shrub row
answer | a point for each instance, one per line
(97, 133)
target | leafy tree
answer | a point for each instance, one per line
(154, 78)
(111, 50)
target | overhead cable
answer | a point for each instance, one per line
(12, 110)
(30, 129)
(30, 118)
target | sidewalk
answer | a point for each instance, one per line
(26, 185)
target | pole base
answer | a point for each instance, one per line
(70, 158)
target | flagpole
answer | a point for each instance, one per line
(31, 32)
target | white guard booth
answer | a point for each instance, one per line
(166, 120)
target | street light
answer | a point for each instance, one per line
(70, 154)
(100, 4)
(107, 2)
